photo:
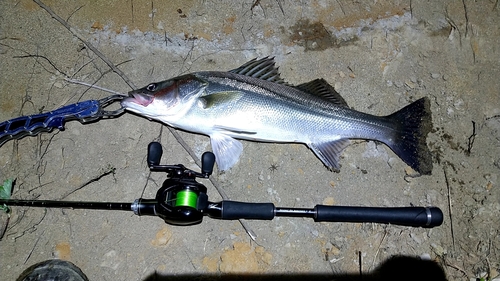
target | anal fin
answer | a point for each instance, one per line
(329, 152)
(226, 149)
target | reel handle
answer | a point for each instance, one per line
(207, 163)
(155, 151)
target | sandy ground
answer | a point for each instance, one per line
(380, 55)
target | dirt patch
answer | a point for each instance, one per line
(163, 237)
(240, 258)
(314, 36)
(63, 251)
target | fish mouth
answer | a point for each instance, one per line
(140, 99)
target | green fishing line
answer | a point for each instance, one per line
(186, 198)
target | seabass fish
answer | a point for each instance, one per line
(252, 102)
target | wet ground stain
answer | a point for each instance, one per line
(314, 36)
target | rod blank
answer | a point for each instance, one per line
(117, 206)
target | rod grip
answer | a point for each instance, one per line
(408, 216)
(232, 210)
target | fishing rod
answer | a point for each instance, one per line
(183, 201)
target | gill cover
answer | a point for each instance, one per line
(162, 99)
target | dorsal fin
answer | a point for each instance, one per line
(321, 88)
(262, 69)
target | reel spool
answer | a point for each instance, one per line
(186, 198)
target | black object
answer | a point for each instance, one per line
(53, 270)
(183, 201)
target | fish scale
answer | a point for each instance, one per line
(253, 102)
(283, 108)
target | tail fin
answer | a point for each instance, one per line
(413, 123)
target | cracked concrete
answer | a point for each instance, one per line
(379, 55)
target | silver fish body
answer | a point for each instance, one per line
(253, 103)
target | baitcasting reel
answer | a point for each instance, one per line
(181, 200)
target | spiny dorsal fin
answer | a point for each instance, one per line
(262, 69)
(322, 89)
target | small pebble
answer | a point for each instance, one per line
(415, 238)
(410, 84)
(333, 249)
(458, 103)
(440, 251)
(329, 201)
(425, 257)
(410, 172)
(392, 161)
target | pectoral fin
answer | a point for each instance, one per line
(226, 149)
(329, 152)
(220, 99)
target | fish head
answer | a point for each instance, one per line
(165, 100)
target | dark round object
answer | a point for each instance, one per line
(53, 270)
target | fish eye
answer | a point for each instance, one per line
(151, 87)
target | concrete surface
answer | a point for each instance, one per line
(380, 55)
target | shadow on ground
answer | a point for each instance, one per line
(395, 268)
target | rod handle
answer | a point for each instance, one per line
(232, 210)
(408, 216)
